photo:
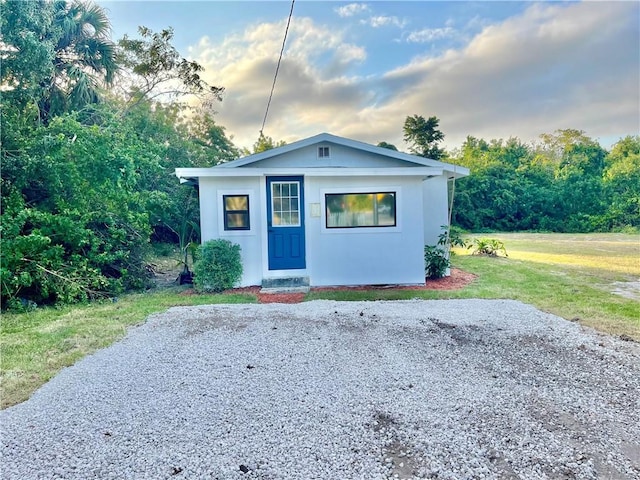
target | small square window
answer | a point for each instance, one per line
(323, 152)
(236, 212)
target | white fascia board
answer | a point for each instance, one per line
(455, 171)
(184, 173)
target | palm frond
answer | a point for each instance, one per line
(94, 18)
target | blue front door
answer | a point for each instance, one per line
(285, 223)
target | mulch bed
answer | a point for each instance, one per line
(457, 280)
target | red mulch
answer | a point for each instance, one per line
(280, 297)
(457, 280)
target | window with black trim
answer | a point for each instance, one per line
(353, 210)
(323, 152)
(236, 212)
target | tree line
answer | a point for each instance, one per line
(565, 182)
(91, 133)
(92, 130)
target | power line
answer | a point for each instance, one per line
(264, 121)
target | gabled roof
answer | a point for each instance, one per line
(420, 166)
(346, 142)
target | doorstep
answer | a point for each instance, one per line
(272, 290)
(285, 282)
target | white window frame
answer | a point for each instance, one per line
(225, 221)
(322, 149)
(289, 182)
(220, 194)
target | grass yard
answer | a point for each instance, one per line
(572, 276)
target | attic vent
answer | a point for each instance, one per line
(323, 152)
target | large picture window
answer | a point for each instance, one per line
(236, 212)
(352, 210)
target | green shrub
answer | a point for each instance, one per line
(488, 246)
(437, 258)
(436, 261)
(218, 266)
(454, 237)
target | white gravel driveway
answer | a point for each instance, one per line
(339, 390)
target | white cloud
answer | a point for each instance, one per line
(430, 34)
(314, 91)
(382, 20)
(351, 9)
(553, 66)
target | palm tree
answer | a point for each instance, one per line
(85, 57)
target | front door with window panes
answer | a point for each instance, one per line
(285, 223)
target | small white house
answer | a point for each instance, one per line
(326, 210)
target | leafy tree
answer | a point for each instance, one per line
(211, 139)
(56, 54)
(560, 184)
(423, 136)
(492, 196)
(83, 190)
(156, 79)
(578, 168)
(622, 184)
(265, 143)
(387, 145)
(155, 69)
(27, 58)
(176, 140)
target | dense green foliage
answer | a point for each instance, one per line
(218, 266)
(87, 161)
(565, 183)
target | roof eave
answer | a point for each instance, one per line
(193, 174)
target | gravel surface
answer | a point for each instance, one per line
(456, 389)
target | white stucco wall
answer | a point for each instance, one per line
(212, 225)
(435, 205)
(360, 256)
(349, 256)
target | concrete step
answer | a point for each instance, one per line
(285, 290)
(285, 282)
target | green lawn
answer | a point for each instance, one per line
(569, 275)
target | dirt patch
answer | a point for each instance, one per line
(165, 272)
(629, 289)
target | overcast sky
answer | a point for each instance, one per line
(487, 69)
